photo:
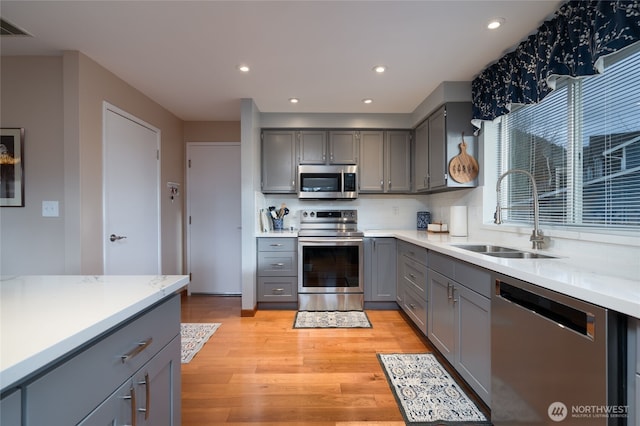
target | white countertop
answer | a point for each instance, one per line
(46, 317)
(569, 275)
(572, 275)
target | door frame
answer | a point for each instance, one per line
(106, 107)
(188, 204)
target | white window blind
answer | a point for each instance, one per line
(582, 145)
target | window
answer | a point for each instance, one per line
(582, 145)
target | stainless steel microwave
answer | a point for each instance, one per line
(328, 182)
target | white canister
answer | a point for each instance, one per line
(458, 221)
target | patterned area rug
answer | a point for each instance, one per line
(331, 319)
(193, 336)
(426, 393)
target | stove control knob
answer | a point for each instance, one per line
(305, 214)
(313, 214)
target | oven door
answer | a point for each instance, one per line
(330, 265)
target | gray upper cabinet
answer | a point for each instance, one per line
(385, 161)
(322, 147)
(397, 169)
(421, 159)
(437, 149)
(344, 146)
(312, 147)
(438, 141)
(371, 171)
(279, 161)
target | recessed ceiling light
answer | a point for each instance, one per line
(495, 23)
(294, 100)
(379, 69)
(243, 68)
(367, 101)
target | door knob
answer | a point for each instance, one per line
(114, 237)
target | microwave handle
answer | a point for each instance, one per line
(342, 181)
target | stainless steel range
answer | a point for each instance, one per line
(330, 261)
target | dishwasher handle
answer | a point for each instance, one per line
(565, 316)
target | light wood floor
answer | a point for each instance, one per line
(260, 370)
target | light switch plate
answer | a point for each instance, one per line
(50, 209)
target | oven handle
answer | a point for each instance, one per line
(329, 240)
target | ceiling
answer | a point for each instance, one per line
(185, 54)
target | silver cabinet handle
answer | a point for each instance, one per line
(276, 245)
(135, 351)
(114, 237)
(277, 265)
(277, 291)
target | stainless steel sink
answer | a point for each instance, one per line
(502, 252)
(520, 255)
(485, 248)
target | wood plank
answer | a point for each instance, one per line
(260, 370)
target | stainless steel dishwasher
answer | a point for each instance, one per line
(554, 359)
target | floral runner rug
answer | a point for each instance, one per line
(426, 393)
(193, 336)
(331, 319)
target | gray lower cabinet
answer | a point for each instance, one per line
(460, 319)
(380, 269)
(277, 270)
(634, 371)
(412, 282)
(10, 409)
(131, 376)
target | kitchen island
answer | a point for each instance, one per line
(86, 335)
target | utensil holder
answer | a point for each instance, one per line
(278, 224)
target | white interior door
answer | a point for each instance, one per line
(213, 211)
(131, 195)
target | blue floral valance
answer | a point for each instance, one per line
(573, 43)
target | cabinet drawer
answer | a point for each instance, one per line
(477, 279)
(442, 264)
(276, 244)
(277, 264)
(82, 382)
(412, 251)
(415, 275)
(416, 307)
(281, 289)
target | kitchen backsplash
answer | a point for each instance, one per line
(399, 212)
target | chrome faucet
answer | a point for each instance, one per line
(537, 237)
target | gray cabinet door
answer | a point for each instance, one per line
(473, 357)
(117, 409)
(397, 172)
(437, 149)
(421, 158)
(279, 161)
(442, 320)
(157, 387)
(343, 147)
(381, 267)
(312, 147)
(10, 409)
(371, 170)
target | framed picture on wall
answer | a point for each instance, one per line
(12, 167)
